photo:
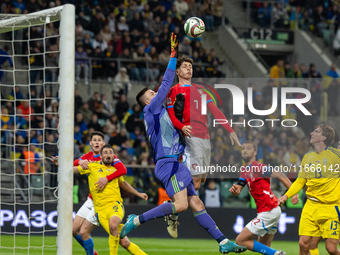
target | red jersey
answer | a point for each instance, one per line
(121, 169)
(192, 109)
(258, 182)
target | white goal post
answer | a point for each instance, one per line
(66, 15)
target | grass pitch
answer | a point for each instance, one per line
(152, 246)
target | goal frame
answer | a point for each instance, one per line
(66, 15)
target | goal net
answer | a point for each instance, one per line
(37, 122)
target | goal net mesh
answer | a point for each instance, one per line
(30, 100)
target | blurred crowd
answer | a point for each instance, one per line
(312, 79)
(322, 18)
(135, 32)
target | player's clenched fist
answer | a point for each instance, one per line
(234, 190)
(282, 200)
(83, 164)
(174, 46)
(295, 199)
(143, 196)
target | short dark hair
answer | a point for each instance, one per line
(97, 133)
(183, 59)
(139, 96)
(251, 142)
(327, 131)
(106, 146)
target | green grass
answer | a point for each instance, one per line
(152, 246)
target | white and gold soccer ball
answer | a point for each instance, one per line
(194, 27)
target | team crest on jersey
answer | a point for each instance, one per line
(100, 170)
(324, 161)
(181, 184)
(168, 101)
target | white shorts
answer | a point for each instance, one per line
(87, 212)
(265, 222)
(197, 154)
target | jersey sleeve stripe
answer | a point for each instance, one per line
(170, 106)
(209, 101)
(116, 162)
(242, 179)
(335, 152)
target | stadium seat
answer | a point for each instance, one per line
(37, 185)
(326, 34)
(225, 186)
(289, 203)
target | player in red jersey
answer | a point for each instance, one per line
(257, 177)
(184, 109)
(85, 220)
(197, 153)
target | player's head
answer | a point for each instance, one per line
(184, 68)
(145, 96)
(107, 154)
(249, 151)
(322, 134)
(97, 141)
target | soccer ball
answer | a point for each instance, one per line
(194, 27)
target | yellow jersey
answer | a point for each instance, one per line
(320, 172)
(111, 193)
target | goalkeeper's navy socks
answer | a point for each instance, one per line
(157, 212)
(80, 240)
(89, 246)
(206, 222)
(261, 248)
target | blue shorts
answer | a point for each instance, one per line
(174, 176)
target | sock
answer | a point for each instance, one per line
(206, 222)
(158, 212)
(314, 251)
(261, 248)
(135, 250)
(224, 241)
(80, 241)
(174, 216)
(89, 246)
(113, 243)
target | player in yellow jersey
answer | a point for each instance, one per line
(108, 202)
(320, 172)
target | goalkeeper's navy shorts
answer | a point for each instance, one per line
(174, 176)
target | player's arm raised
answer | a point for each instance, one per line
(219, 115)
(169, 76)
(126, 186)
(286, 182)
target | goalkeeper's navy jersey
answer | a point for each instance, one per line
(164, 138)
